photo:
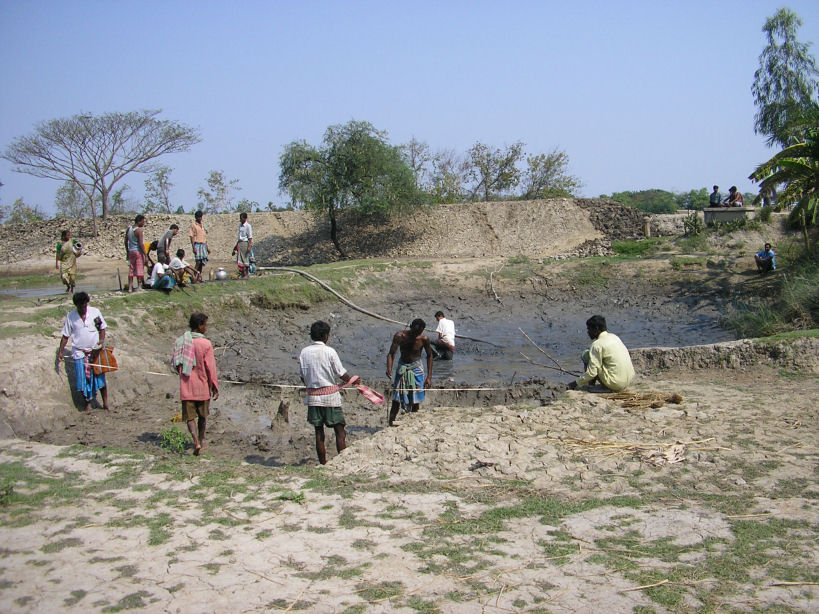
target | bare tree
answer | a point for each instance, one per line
(96, 152)
(494, 171)
(416, 155)
(218, 197)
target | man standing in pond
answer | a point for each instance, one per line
(444, 345)
(199, 241)
(319, 368)
(607, 361)
(193, 359)
(409, 383)
(85, 327)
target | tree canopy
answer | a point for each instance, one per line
(785, 84)
(797, 169)
(97, 151)
(354, 168)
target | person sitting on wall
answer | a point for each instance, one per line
(735, 198)
(765, 260)
(715, 199)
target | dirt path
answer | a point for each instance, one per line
(500, 509)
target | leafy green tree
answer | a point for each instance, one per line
(218, 196)
(97, 151)
(121, 203)
(20, 213)
(650, 201)
(693, 199)
(246, 206)
(494, 171)
(785, 83)
(354, 168)
(547, 176)
(448, 176)
(158, 191)
(797, 169)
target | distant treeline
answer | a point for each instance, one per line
(663, 201)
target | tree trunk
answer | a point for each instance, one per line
(93, 215)
(334, 232)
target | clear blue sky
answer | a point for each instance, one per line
(641, 94)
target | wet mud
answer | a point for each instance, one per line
(260, 415)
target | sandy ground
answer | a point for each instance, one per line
(696, 493)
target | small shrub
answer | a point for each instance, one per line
(6, 492)
(693, 225)
(519, 259)
(638, 248)
(174, 440)
(764, 215)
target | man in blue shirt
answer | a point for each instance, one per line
(765, 260)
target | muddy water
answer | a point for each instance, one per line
(263, 347)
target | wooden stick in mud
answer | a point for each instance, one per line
(119, 279)
(542, 351)
(349, 303)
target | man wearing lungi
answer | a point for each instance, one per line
(135, 248)
(244, 244)
(199, 241)
(85, 327)
(409, 383)
(319, 367)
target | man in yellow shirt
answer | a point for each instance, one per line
(607, 360)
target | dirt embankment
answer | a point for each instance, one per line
(537, 228)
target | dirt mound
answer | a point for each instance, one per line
(536, 228)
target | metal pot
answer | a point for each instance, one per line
(221, 274)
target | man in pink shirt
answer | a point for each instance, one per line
(198, 381)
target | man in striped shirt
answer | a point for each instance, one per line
(319, 369)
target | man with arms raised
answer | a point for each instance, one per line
(409, 383)
(607, 360)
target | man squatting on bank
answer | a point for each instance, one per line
(607, 360)
(319, 367)
(409, 383)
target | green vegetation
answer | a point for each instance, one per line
(795, 302)
(174, 440)
(639, 248)
(661, 201)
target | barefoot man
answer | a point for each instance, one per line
(86, 327)
(409, 384)
(198, 381)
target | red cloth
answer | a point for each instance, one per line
(136, 264)
(203, 377)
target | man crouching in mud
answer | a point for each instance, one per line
(409, 384)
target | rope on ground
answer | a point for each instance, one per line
(349, 303)
(298, 387)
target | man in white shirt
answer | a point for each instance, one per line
(319, 368)
(85, 326)
(444, 345)
(244, 244)
(160, 278)
(179, 268)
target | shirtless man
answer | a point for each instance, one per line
(409, 382)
